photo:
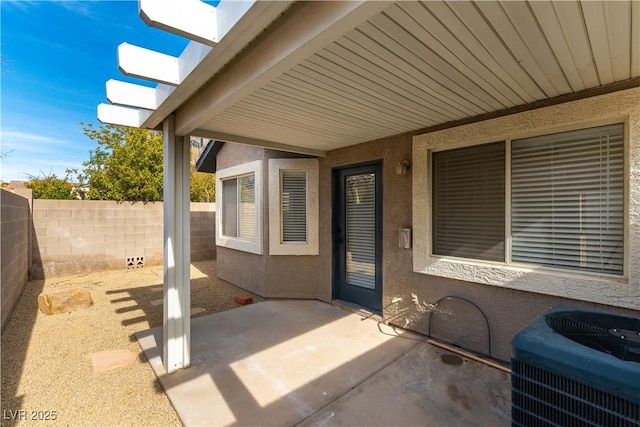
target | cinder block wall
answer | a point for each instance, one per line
(73, 236)
(14, 250)
(203, 231)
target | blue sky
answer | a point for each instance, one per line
(55, 57)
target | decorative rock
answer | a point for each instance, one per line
(64, 301)
(243, 299)
(110, 359)
(197, 310)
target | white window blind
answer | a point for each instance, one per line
(468, 202)
(247, 211)
(294, 206)
(230, 207)
(568, 200)
(361, 230)
(239, 207)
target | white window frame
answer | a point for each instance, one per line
(237, 243)
(276, 245)
(621, 107)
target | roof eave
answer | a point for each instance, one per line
(209, 61)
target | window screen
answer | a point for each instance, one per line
(239, 207)
(568, 200)
(294, 206)
(247, 211)
(230, 207)
(468, 202)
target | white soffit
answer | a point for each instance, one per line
(421, 64)
(331, 74)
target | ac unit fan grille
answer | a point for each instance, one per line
(544, 398)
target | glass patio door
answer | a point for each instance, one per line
(357, 235)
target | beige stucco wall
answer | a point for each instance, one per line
(396, 209)
(271, 276)
(623, 106)
(15, 222)
(415, 294)
(73, 236)
(408, 296)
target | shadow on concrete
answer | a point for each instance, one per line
(208, 295)
(291, 362)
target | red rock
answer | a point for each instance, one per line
(243, 299)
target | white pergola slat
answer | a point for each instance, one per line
(192, 19)
(136, 61)
(124, 116)
(239, 22)
(309, 77)
(124, 93)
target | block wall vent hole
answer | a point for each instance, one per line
(135, 262)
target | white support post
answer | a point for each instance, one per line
(176, 326)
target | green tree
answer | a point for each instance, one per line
(127, 165)
(51, 187)
(203, 186)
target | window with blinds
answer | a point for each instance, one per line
(567, 206)
(293, 205)
(567, 201)
(239, 207)
(468, 202)
(230, 207)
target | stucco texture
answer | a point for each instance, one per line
(618, 107)
(270, 276)
(409, 298)
(414, 297)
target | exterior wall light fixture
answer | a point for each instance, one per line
(402, 167)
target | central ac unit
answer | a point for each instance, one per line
(577, 367)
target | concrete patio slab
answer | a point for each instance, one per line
(291, 362)
(419, 389)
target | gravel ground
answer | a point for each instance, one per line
(46, 375)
